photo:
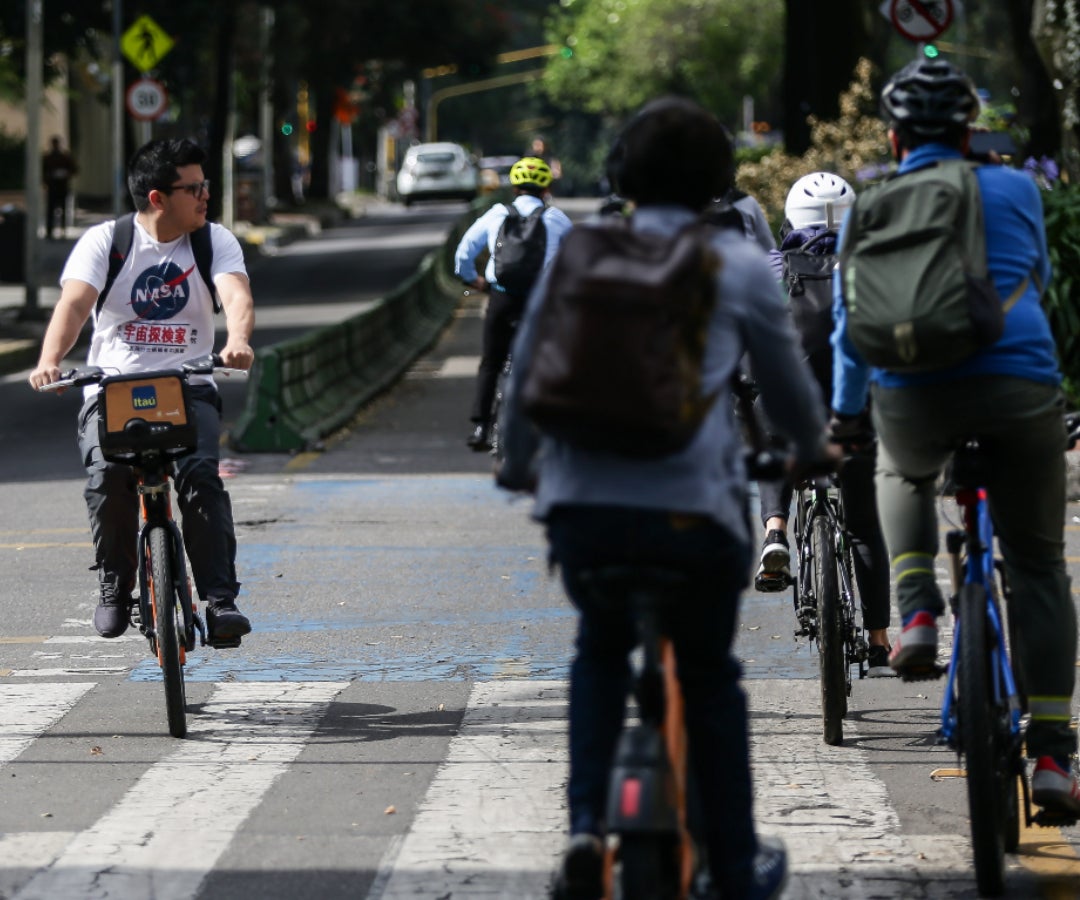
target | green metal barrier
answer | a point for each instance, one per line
(305, 388)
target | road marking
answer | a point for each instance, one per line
(44, 546)
(492, 822)
(165, 835)
(28, 710)
(26, 639)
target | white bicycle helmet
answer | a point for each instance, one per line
(819, 198)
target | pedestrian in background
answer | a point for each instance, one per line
(58, 167)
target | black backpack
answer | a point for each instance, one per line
(620, 340)
(808, 277)
(123, 237)
(520, 247)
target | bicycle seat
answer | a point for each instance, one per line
(617, 584)
(969, 467)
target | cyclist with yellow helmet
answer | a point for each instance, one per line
(518, 250)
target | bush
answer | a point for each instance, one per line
(1062, 208)
(855, 147)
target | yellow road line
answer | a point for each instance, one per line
(27, 639)
(22, 532)
(1052, 859)
(301, 461)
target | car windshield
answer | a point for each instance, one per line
(435, 157)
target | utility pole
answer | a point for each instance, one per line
(117, 112)
(35, 68)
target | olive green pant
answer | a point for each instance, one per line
(1022, 433)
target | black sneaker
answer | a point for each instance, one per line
(480, 439)
(877, 663)
(224, 621)
(774, 572)
(112, 616)
(581, 875)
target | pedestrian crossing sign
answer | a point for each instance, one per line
(145, 43)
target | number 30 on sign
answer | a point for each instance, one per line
(146, 99)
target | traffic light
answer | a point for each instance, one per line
(310, 126)
(930, 51)
(566, 52)
(286, 128)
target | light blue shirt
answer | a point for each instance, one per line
(483, 231)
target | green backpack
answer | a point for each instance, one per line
(915, 282)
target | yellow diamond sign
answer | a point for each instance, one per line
(144, 43)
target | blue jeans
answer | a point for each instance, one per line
(207, 524)
(702, 628)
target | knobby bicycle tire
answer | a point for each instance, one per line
(648, 867)
(831, 651)
(163, 597)
(986, 754)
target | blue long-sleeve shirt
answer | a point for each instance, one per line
(1015, 249)
(483, 231)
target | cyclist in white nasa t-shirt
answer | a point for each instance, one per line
(156, 314)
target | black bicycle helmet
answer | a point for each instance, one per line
(930, 98)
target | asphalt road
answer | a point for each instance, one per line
(395, 726)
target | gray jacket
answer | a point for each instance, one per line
(708, 477)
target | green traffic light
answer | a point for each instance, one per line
(286, 128)
(566, 52)
(931, 52)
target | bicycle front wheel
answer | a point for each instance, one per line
(986, 749)
(166, 611)
(831, 651)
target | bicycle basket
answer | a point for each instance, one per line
(141, 414)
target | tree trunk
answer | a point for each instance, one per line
(1055, 33)
(1037, 109)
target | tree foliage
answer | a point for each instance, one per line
(621, 53)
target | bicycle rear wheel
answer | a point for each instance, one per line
(831, 651)
(648, 867)
(166, 611)
(984, 740)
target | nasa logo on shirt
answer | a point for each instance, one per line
(161, 292)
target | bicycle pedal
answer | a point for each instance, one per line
(771, 584)
(1045, 818)
(922, 673)
(224, 643)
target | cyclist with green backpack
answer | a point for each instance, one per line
(948, 335)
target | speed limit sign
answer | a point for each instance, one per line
(146, 99)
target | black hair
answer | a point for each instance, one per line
(672, 152)
(154, 166)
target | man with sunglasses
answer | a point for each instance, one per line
(154, 312)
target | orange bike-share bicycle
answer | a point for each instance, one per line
(146, 422)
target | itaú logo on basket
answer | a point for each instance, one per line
(161, 292)
(144, 397)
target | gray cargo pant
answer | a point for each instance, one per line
(207, 522)
(1019, 423)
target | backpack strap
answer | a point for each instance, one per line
(124, 237)
(203, 248)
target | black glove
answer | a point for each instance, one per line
(851, 432)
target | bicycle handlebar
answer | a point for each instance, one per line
(204, 365)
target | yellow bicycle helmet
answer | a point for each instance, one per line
(531, 170)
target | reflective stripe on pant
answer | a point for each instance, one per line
(1020, 426)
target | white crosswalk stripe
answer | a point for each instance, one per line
(492, 822)
(164, 836)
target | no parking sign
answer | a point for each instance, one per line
(919, 20)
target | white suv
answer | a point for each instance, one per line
(432, 171)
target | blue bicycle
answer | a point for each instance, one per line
(981, 714)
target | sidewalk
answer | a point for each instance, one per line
(21, 329)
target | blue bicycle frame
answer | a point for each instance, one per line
(979, 569)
